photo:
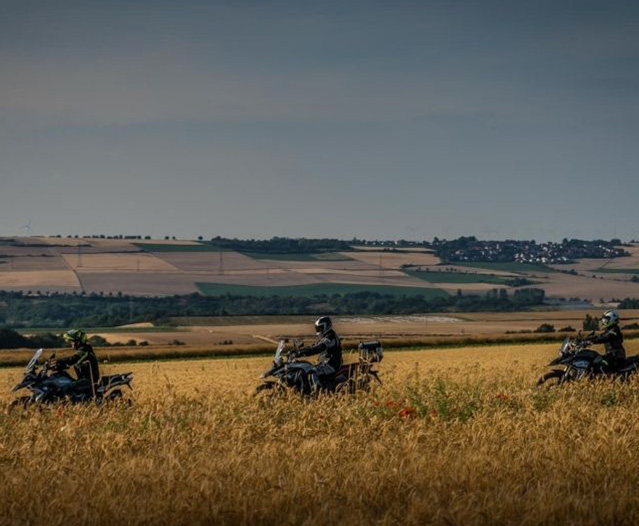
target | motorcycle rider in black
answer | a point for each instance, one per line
(612, 339)
(329, 348)
(84, 361)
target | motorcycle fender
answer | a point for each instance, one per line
(19, 386)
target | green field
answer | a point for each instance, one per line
(455, 277)
(614, 271)
(301, 256)
(519, 268)
(160, 247)
(220, 289)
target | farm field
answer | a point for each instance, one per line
(455, 277)
(240, 333)
(452, 437)
(257, 329)
(168, 267)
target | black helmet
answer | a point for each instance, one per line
(323, 325)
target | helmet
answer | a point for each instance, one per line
(75, 336)
(609, 319)
(323, 325)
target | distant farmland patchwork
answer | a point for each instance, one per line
(167, 267)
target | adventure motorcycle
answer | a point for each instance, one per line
(293, 373)
(580, 362)
(48, 385)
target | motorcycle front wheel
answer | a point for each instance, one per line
(269, 391)
(19, 403)
(551, 379)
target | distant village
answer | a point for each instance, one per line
(470, 249)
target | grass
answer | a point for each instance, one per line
(519, 268)
(455, 277)
(452, 437)
(329, 289)
(305, 256)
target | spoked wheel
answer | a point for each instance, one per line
(354, 385)
(19, 403)
(269, 391)
(115, 397)
(364, 384)
(551, 380)
(346, 388)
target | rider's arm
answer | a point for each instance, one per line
(76, 358)
(602, 338)
(318, 348)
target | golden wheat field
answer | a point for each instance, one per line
(452, 437)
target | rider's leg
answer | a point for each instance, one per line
(319, 371)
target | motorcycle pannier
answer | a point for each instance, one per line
(371, 351)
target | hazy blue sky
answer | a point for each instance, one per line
(383, 119)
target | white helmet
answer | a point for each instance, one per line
(609, 319)
(323, 325)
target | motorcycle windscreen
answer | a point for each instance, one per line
(278, 352)
(34, 360)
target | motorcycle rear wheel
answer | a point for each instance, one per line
(551, 380)
(347, 387)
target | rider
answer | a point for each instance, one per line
(329, 348)
(612, 339)
(84, 360)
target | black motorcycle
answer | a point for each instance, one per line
(47, 385)
(579, 362)
(292, 374)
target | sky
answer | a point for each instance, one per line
(370, 119)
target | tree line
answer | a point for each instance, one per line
(282, 245)
(19, 310)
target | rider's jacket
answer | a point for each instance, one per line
(613, 342)
(329, 348)
(84, 361)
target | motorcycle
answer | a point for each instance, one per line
(48, 385)
(292, 374)
(579, 362)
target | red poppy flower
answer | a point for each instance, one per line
(408, 412)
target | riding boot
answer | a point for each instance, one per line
(316, 385)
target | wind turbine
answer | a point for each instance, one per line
(27, 228)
